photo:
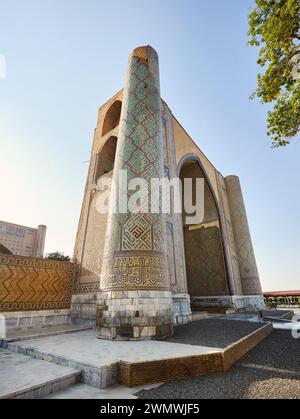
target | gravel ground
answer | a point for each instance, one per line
(216, 333)
(270, 371)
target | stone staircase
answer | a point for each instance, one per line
(30, 378)
(27, 373)
(24, 377)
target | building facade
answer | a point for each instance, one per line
(23, 241)
(139, 274)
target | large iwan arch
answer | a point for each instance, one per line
(206, 265)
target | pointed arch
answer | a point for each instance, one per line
(112, 117)
(206, 263)
(106, 158)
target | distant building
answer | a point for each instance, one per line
(282, 293)
(23, 241)
(282, 298)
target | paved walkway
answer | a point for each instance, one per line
(21, 374)
(26, 377)
(85, 348)
(199, 337)
(97, 360)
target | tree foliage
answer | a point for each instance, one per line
(274, 27)
(58, 256)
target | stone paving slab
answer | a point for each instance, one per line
(85, 348)
(98, 359)
(84, 391)
(24, 377)
(38, 332)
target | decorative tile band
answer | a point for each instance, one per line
(135, 271)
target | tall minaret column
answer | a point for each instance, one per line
(245, 253)
(135, 301)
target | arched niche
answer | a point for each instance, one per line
(112, 117)
(204, 250)
(106, 158)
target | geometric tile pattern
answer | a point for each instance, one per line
(205, 262)
(140, 153)
(171, 253)
(34, 284)
(137, 234)
(88, 288)
(244, 248)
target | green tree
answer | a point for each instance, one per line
(274, 27)
(58, 256)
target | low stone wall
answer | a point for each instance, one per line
(31, 284)
(164, 370)
(20, 320)
(238, 302)
(240, 348)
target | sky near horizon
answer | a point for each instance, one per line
(66, 57)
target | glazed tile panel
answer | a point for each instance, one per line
(28, 284)
(205, 263)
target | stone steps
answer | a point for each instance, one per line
(94, 374)
(100, 360)
(84, 391)
(29, 378)
(103, 364)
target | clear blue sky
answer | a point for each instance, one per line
(66, 57)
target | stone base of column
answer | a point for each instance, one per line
(224, 301)
(239, 302)
(182, 312)
(249, 302)
(83, 309)
(134, 315)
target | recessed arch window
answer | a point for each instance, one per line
(106, 158)
(112, 117)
